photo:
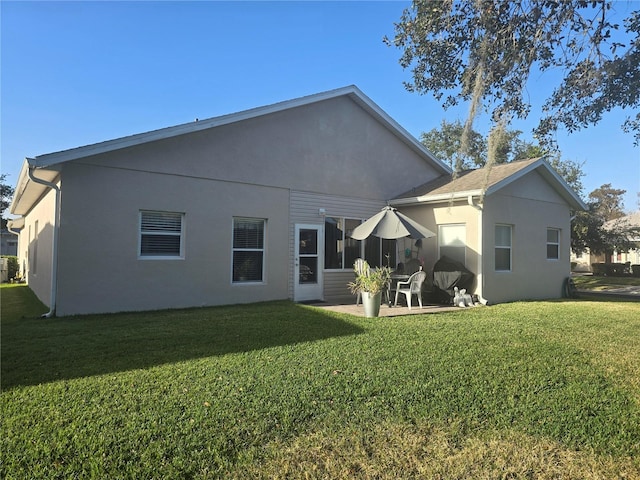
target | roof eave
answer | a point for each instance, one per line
(351, 91)
(439, 198)
(27, 192)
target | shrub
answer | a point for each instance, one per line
(12, 266)
(635, 270)
(609, 269)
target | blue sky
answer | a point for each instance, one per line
(76, 73)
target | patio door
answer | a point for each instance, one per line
(308, 263)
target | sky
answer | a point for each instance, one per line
(76, 73)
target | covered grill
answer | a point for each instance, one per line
(448, 274)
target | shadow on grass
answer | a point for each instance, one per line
(38, 350)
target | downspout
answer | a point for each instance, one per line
(56, 227)
(11, 230)
(480, 265)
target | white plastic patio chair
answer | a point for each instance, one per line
(359, 267)
(411, 287)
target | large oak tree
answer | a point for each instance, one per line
(485, 52)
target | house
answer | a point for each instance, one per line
(8, 242)
(632, 220)
(258, 205)
(510, 224)
(583, 261)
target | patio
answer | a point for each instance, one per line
(385, 310)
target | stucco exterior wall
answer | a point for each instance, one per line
(99, 266)
(36, 246)
(328, 150)
(446, 213)
(332, 147)
(530, 206)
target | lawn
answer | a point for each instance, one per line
(600, 283)
(279, 390)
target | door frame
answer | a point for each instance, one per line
(303, 292)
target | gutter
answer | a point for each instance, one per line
(438, 198)
(56, 228)
(10, 228)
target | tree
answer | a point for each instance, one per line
(607, 201)
(484, 52)
(6, 192)
(588, 229)
(445, 142)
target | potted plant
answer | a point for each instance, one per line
(370, 283)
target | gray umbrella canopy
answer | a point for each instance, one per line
(389, 223)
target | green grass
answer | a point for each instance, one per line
(279, 390)
(599, 283)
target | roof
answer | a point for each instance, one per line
(28, 192)
(631, 220)
(486, 181)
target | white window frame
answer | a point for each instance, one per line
(555, 244)
(441, 236)
(504, 247)
(243, 249)
(141, 233)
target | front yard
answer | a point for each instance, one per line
(279, 390)
(600, 284)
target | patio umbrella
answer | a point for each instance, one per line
(389, 223)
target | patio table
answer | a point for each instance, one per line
(395, 278)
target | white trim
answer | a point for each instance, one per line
(263, 280)
(464, 240)
(504, 247)
(311, 291)
(352, 91)
(181, 254)
(541, 165)
(557, 244)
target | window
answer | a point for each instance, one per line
(161, 234)
(341, 251)
(452, 241)
(248, 249)
(34, 249)
(503, 248)
(380, 252)
(553, 244)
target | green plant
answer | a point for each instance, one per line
(370, 280)
(12, 267)
(281, 390)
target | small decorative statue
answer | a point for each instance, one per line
(462, 298)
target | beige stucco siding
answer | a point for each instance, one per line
(36, 247)
(447, 213)
(99, 266)
(332, 147)
(530, 206)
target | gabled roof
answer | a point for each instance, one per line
(23, 200)
(486, 181)
(627, 222)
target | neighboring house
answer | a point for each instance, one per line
(584, 260)
(628, 221)
(8, 243)
(581, 262)
(258, 205)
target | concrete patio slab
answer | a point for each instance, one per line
(385, 310)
